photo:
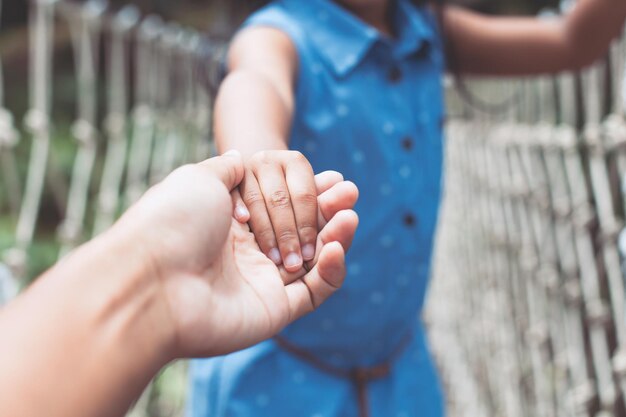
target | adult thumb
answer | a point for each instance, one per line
(228, 168)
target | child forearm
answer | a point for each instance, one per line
(526, 46)
(250, 115)
(590, 28)
(255, 103)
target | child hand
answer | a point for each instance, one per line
(279, 201)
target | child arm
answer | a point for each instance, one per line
(255, 102)
(526, 46)
(253, 114)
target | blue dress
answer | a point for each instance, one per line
(371, 108)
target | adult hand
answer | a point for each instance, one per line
(177, 276)
(220, 291)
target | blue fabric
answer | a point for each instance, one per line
(371, 108)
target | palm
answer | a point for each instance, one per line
(223, 293)
(249, 293)
(243, 297)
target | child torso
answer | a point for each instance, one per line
(371, 108)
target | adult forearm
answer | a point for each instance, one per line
(251, 115)
(88, 323)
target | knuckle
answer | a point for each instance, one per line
(261, 158)
(308, 231)
(306, 199)
(286, 236)
(265, 237)
(279, 199)
(298, 158)
(252, 197)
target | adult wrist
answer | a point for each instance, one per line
(136, 297)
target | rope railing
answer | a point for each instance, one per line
(527, 309)
(138, 114)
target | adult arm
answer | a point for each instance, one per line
(175, 277)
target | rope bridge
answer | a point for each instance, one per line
(140, 112)
(527, 307)
(526, 310)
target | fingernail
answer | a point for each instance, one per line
(241, 211)
(274, 255)
(308, 251)
(292, 260)
(232, 152)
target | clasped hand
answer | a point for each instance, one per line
(222, 293)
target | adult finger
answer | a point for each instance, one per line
(341, 229)
(260, 223)
(271, 179)
(341, 196)
(325, 180)
(309, 292)
(240, 211)
(303, 193)
(228, 168)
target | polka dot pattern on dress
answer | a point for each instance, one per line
(403, 280)
(342, 110)
(298, 377)
(349, 117)
(377, 298)
(405, 171)
(386, 241)
(328, 325)
(354, 269)
(388, 128)
(385, 189)
(262, 400)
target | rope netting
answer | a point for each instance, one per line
(527, 306)
(526, 309)
(140, 111)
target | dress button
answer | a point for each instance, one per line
(395, 74)
(407, 143)
(409, 220)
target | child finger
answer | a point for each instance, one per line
(303, 192)
(271, 179)
(260, 223)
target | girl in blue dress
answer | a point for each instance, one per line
(356, 86)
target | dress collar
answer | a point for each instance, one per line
(343, 40)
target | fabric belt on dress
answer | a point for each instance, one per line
(359, 376)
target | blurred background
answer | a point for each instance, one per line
(100, 100)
